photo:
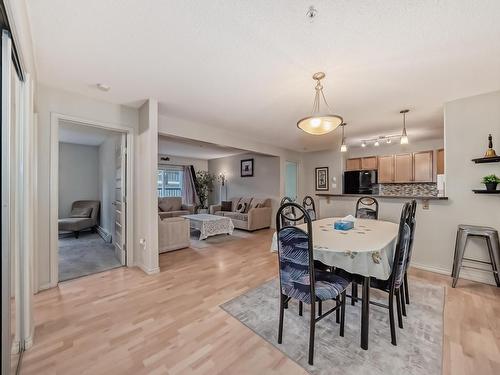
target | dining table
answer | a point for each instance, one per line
(366, 250)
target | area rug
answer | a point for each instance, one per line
(85, 255)
(219, 239)
(419, 349)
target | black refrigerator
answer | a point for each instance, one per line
(360, 182)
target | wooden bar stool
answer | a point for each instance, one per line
(491, 237)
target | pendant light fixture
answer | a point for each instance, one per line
(319, 123)
(343, 147)
(404, 137)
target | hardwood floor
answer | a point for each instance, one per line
(125, 322)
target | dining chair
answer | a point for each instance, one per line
(394, 284)
(405, 296)
(310, 207)
(367, 208)
(298, 278)
(291, 210)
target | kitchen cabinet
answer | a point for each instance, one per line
(386, 168)
(403, 168)
(440, 161)
(353, 164)
(369, 163)
(422, 166)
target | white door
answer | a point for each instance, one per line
(291, 178)
(119, 203)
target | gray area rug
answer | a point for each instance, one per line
(218, 239)
(84, 256)
(419, 349)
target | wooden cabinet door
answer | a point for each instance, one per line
(386, 168)
(403, 170)
(440, 161)
(353, 164)
(422, 166)
(369, 162)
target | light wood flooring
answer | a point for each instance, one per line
(125, 322)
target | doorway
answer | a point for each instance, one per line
(291, 180)
(89, 184)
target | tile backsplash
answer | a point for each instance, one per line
(413, 189)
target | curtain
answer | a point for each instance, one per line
(189, 192)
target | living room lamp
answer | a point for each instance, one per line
(319, 123)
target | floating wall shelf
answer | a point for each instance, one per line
(486, 191)
(494, 159)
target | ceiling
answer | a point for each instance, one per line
(187, 148)
(70, 132)
(247, 65)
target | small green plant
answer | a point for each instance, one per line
(491, 179)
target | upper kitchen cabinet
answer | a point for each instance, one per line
(386, 168)
(422, 166)
(353, 164)
(369, 162)
(440, 161)
(403, 170)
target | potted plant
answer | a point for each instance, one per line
(491, 182)
(205, 182)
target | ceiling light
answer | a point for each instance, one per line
(319, 123)
(376, 144)
(363, 144)
(404, 136)
(103, 87)
(388, 140)
(343, 147)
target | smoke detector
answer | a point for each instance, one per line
(103, 87)
(311, 13)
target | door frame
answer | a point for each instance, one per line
(55, 119)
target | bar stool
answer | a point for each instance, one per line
(491, 237)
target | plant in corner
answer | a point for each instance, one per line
(204, 184)
(491, 182)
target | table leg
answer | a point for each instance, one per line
(365, 313)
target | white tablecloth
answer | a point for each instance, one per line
(210, 225)
(367, 249)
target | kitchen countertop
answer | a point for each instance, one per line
(420, 197)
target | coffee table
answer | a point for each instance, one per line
(210, 225)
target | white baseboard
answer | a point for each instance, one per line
(28, 342)
(467, 274)
(106, 236)
(148, 271)
(46, 286)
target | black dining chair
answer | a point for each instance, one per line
(298, 278)
(394, 284)
(405, 296)
(367, 208)
(310, 207)
(290, 210)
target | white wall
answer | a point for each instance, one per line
(51, 100)
(78, 175)
(198, 164)
(107, 182)
(264, 184)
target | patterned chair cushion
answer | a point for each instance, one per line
(367, 213)
(312, 214)
(329, 285)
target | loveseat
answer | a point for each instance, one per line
(257, 212)
(173, 207)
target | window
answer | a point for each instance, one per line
(170, 181)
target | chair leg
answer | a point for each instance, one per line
(403, 300)
(391, 319)
(407, 293)
(337, 312)
(76, 233)
(398, 305)
(312, 326)
(320, 308)
(354, 293)
(342, 314)
(282, 312)
(300, 308)
(490, 243)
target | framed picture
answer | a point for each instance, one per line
(247, 168)
(322, 178)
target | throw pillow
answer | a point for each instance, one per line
(226, 206)
(165, 206)
(258, 205)
(241, 208)
(82, 212)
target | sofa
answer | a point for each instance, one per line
(173, 207)
(173, 233)
(83, 215)
(257, 215)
